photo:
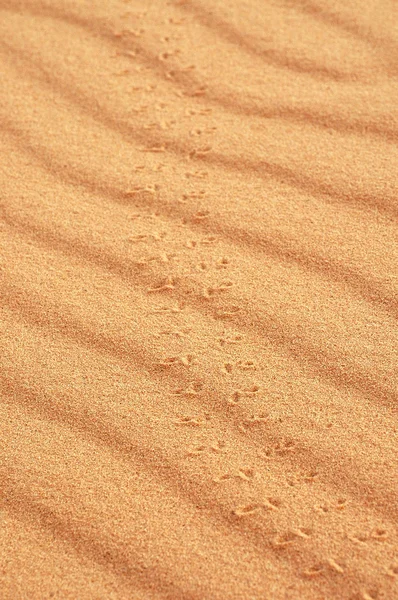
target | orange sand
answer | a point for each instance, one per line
(199, 299)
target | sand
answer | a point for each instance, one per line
(199, 299)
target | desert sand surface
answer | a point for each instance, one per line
(199, 299)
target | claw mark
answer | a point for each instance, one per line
(227, 368)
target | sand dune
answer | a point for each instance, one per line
(199, 300)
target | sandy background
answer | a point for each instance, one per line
(199, 299)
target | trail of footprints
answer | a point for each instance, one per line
(216, 292)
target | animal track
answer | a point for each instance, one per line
(392, 571)
(247, 365)
(169, 284)
(335, 566)
(217, 447)
(247, 474)
(155, 149)
(222, 287)
(163, 257)
(162, 310)
(208, 241)
(223, 263)
(285, 447)
(200, 152)
(380, 535)
(255, 420)
(249, 509)
(180, 333)
(228, 314)
(196, 174)
(314, 571)
(303, 532)
(358, 537)
(199, 450)
(310, 477)
(189, 421)
(231, 339)
(192, 390)
(194, 195)
(341, 504)
(247, 392)
(369, 595)
(284, 540)
(171, 361)
(200, 91)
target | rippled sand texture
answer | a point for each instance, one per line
(199, 299)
